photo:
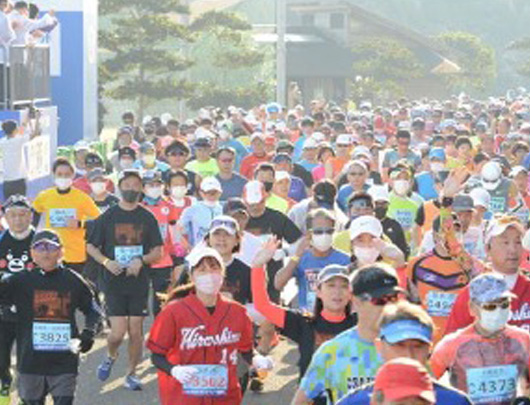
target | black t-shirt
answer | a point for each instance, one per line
(14, 257)
(300, 171)
(46, 306)
(275, 223)
(394, 231)
(108, 202)
(310, 333)
(121, 236)
(237, 282)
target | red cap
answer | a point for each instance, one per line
(403, 378)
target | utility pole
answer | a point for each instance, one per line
(281, 52)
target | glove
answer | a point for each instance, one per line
(183, 374)
(86, 341)
(260, 362)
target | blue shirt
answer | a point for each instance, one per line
(233, 187)
(425, 183)
(344, 194)
(298, 148)
(307, 271)
(444, 396)
(297, 191)
(308, 166)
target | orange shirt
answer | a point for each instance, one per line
(250, 162)
(337, 163)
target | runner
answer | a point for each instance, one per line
(489, 358)
(47, 299)
(196, 339)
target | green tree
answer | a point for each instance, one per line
(475, 58)
(382, 68)
(522, 45)
(141, 59)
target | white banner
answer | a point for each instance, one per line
(38, 157)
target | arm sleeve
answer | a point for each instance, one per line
(91, 308)
(262, 302)
(161, 363)
(459, 316)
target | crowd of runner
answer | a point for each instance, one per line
(389, 244)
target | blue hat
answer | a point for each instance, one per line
(437, 153)
(489, 287)
(274, 108)
(405, 329)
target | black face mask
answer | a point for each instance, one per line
(268, 186)
(380, 212)
(130, 196)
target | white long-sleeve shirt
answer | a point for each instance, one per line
(24, 26)
(7, 34)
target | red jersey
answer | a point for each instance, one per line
(166, 214)
(83, 184)
(250, 162)
(187, 334)
(520, 316)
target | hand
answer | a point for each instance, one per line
(454, 182)
(134, 267)
(114, 267)
(303, 245)
(72, 223)
(266, 253)
(379, 244)
(260, 362)
(183, 374)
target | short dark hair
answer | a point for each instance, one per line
(173, 122)
(9, 126)
(20, 5)
(177, 145)
(264, 167)
(402, 133)
(361, 195)
(128, 115)
(177, 173)
(62, 161)
(463, 140)
(480, 157)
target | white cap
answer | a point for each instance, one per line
(379, 193)
(196, 255)
(498, 225)
(165, 117)
(257, 135)
(211, 183)
(201, 132)
(282, 175)
(362, 150)
(310, 143)
(318, 137)
(366, 224)
(480, 197)
(254, 192)
(491, 175)
(344, 139)
(518, 169)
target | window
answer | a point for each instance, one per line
(336, 21)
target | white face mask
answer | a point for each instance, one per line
(126, 164)
(209, 283)
(401, 187)
(437, 167)
(149, 160)
(322, 242)
(154, 192)
(493, 321)
(366, 255)
(98, 187)
(63, 183)
(179, 192)
(210, 204)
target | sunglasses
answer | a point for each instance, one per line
(220, 222)
(42, 247)
(322, 231)
(177, 153)
(385, 299)
(492, 306)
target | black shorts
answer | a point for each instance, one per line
(126, 304)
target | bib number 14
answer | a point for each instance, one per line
(232, 357)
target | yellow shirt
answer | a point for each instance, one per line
(58, 208)
(277, 203)
(342, 241)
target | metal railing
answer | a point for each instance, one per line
(25, 79)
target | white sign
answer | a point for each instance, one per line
(38, 157)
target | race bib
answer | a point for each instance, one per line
(405, 218)
(210, 381)
(125, 254)
(497, 204)
(51, 337)
(311, 296)
(163, 230)
(492, 384)
(440, 303)
(59, 216)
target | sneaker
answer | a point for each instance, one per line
(133, 383)
(105, 368)
(5, 388)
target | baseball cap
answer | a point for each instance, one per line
(16, 201)
(204, 142)
(344, 139)
(225, 223)
(46, 235)
(254, 192)
(151, 176)
(374, 281)
(127, 151)
(379, 193)
(81, 145)
(196, 255)
(489, 287)
(310, 143)
(403, 378)
(318, 137)
(361, 150)
(462, 203)
(127, 129)
(234, 205)
(405, 329)
(281, 158)
(491, 175)
(500, 223)
(96, 173)
(366, 224)
(128, 173)
(284, 144)
(93, 159)
(273, 108)
(330, 271)
(211, 183)
(480, 197)
(437, 153)
(518, 169)
(147, 147)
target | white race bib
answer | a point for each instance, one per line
(210, 381)
(54, 337)
(492, 384)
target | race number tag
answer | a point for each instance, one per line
(405, 218)
(311, 296)
(125, 254)
(492, 384)
(51, 337)
(163, 230)
(497, 204)
(210, 381)
(440, 303)
(59, 216)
